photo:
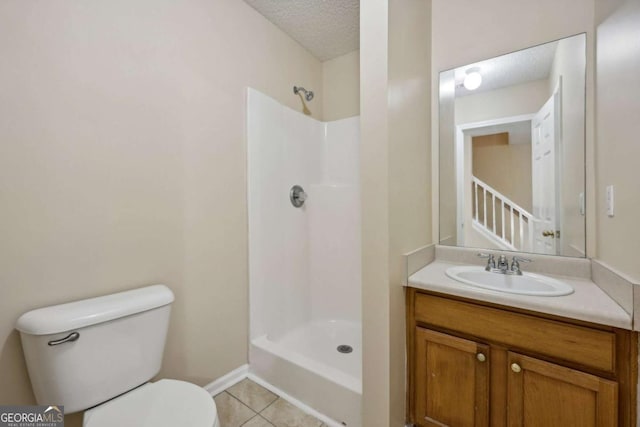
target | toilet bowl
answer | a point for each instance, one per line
(98, 355)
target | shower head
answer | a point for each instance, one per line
(308, 95)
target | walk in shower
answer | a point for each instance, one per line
(304, 257)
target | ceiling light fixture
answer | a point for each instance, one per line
(473, 79)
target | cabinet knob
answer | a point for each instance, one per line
(481, 357)
(515, 368)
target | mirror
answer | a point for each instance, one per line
(512, 151)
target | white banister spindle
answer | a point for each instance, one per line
(475, 187)
(502, 218)
(530, 232)
(512, 233)
(484, 206)
(521, 226)
(493, 210)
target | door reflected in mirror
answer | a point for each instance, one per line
(512, 151)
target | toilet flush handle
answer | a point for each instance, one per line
(73, 336)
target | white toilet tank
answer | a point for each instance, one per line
(85, 352)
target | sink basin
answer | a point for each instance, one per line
(527, 284)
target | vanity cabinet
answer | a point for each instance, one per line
(452, 386)
(540, 393)
(455, 390)
(477, 364)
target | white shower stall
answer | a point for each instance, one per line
(304, 263)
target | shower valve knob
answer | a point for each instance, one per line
(297, 196)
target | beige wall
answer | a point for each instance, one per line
(395, 188)
(618, 130)
(505, 167)
(460, 36)
(409, 166)
(122, 163)
(374, 178)
(341, 86)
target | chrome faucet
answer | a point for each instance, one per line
(503, 264)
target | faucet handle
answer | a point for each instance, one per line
(515, 263)
(491, 262)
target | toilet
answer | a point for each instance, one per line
(98, 356)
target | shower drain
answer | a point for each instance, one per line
(345, 348)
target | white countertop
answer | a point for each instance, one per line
(588, 303)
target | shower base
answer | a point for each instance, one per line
(306, 364)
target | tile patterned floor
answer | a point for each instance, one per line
(247, 404)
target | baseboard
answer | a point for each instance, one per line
(295, 402)
(238, 374)
(227, 380)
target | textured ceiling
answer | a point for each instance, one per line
(326, 28)
(514, 68)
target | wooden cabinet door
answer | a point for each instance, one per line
(451, 381)
(548, 395)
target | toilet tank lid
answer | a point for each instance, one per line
(78, 314)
